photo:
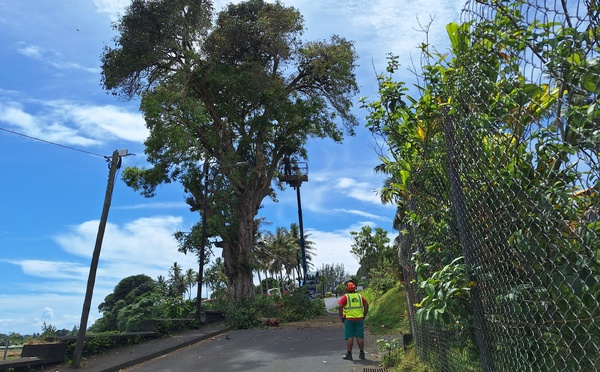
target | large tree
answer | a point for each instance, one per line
(373, 251)
(244, 88)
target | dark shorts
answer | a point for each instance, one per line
(354, 328)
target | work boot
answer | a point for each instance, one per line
(361, 355)
(348, 356)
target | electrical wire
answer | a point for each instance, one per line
(52, 143)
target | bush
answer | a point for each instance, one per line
(287, 308)
(382, 285)
(242, 315)
(172, 326)
(392, 352)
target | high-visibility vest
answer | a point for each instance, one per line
(354, 306)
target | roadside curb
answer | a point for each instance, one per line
(167, 350)
(129, 356)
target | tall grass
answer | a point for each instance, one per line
(387, 312)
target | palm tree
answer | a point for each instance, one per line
(162, 285)
(308, 249)
(191, 278)
(215, 277)
(176, 281)
(283, 250)
(261, 258)
(260, 254)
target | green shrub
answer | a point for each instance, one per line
(266, 306)
(296, 306)
(382, 285)
(287, 308)
(99, 344)
(168, 327)
(242, 315)
(392, 353)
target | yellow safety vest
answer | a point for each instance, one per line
(354, 306)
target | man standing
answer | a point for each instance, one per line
(353, 309)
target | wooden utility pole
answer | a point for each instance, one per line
(115, 163)
(202, 254)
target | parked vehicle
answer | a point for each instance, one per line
(312, 280)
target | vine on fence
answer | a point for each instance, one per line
(496, 160)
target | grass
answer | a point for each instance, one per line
(387, 313)
(388, 316)
(408, 361)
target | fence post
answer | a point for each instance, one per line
(464, 231)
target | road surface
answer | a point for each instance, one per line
(304, 346)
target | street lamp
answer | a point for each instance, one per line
(203, 237)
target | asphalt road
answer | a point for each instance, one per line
(307, 346)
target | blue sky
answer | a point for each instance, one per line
(52, 196)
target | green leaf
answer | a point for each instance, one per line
(430, 289)
(590, 82)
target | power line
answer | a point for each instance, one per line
(52, 143)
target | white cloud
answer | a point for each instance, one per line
(53, 58)
(113, 8)
(47, 314)
(108, 119)
(71, 123)
(363, 191)
(31, 51)
(124, 246)
(143, 246)
(332, 247)
(51, 269)
(361, 213)
(159, 205)
(44, 128)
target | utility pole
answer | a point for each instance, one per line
(202, 254)
(115, 163)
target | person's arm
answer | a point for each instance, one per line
(341, 304)
(366, 306)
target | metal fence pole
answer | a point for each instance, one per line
(467, 243)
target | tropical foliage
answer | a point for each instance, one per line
(278, 255)
(495, 181)
(288, 307)
(377, 258)
(139, 297)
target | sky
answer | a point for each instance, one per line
(57, 126)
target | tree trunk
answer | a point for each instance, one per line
(236, 254)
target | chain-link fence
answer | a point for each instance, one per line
(500, 241)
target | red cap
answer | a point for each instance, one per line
(351, 286)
